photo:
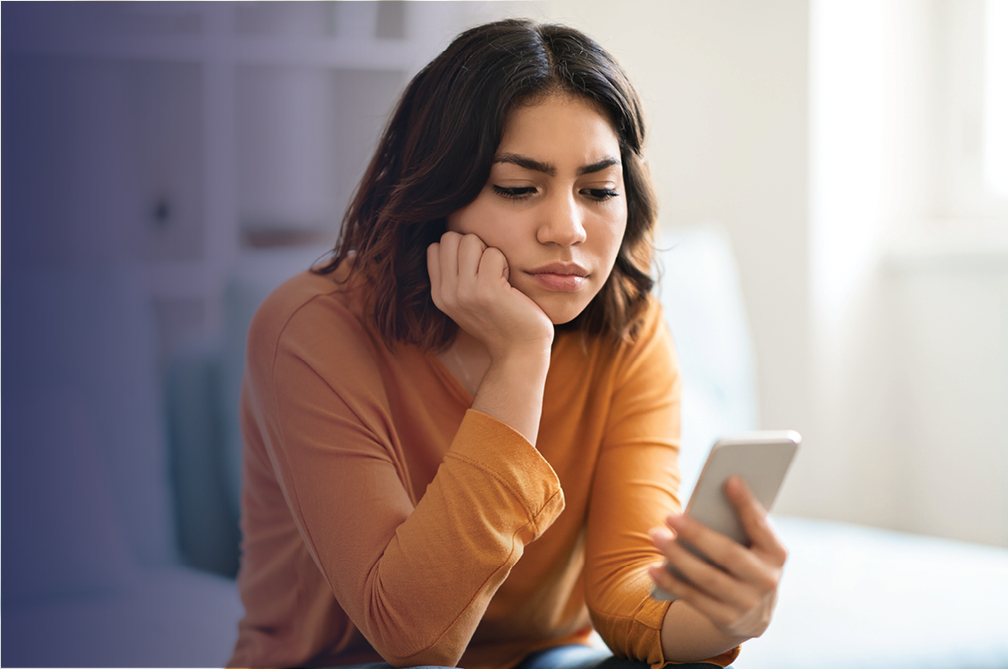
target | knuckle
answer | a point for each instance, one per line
(493, 254)
(751, 601)
(768, 582)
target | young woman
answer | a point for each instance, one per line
(461, 433)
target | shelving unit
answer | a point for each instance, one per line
(176, 135)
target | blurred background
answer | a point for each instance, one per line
(854, 154)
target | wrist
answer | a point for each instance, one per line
(512, 390)
(530, 361)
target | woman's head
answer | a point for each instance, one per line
(436, 156)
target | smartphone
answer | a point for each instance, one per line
(762, 459)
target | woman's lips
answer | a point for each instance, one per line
(566, 277)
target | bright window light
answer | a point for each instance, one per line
(996, 98)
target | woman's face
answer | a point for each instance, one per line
(555, 203)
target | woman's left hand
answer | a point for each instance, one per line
(740, 594)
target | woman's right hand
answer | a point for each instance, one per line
(469, 283)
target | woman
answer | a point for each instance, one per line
(461, 433)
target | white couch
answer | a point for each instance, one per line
(120, 493)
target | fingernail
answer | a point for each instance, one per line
(675, 520)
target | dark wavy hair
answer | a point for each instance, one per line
(435, 156)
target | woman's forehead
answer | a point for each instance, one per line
(560, 127)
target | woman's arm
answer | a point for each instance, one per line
(469, 283)
(413, 575)
(637, 478)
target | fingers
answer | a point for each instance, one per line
(463, 272)
(470, 284)
(715, 583)
(738, 596)
(456, 255)
(754, 520)
(723, 615)
(470, 251)
(746, 565)
(493, 264)
(739, 591)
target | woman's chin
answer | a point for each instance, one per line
(562, 313)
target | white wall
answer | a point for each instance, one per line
(910, 291)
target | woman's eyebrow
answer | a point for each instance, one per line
(526, 162)
(608, 161)
(546, 168)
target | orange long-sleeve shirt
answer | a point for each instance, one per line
(383, 518)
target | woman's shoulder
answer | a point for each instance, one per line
(651, 341)
(308, 306)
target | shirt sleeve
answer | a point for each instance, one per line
(415, 580)
(636, 487)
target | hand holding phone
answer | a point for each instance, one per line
(761, 459)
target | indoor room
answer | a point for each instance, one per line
(831, 179)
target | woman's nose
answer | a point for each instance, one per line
(562, 222)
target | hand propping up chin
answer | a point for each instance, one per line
(469, 283)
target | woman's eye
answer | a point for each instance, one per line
(518, 193)
(600, 194)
